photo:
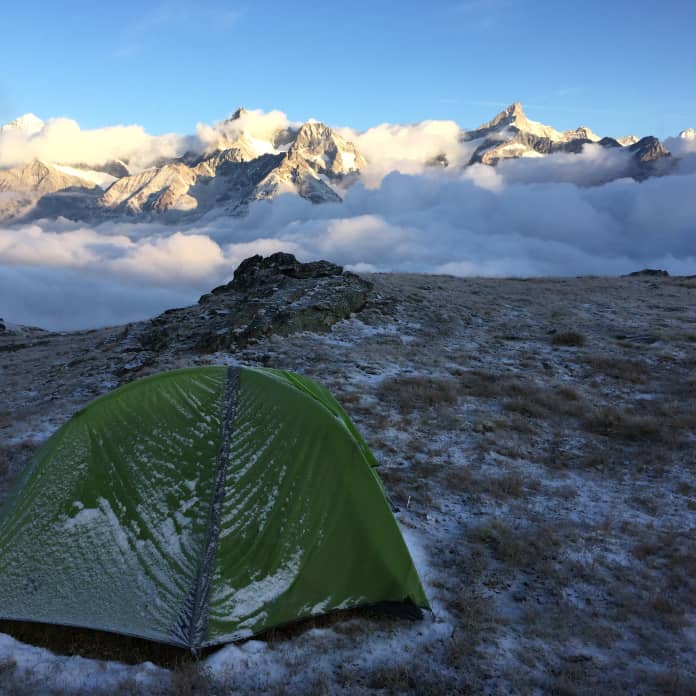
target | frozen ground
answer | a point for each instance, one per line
(539, 440)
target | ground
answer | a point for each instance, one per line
(538, 438)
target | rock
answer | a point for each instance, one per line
(273, 295)
(256, 270)
(649, 272)
(2, 326)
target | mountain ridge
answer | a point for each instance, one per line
(237, 167)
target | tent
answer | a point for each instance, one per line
(200, 506)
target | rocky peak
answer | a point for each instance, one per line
(238, 113)
(649, 149)
(325, 151)
(313, 134)
(258, 270)
(33, 172)
(512, 115)
(513, 118)
(688, 134)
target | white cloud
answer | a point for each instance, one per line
(62, 140)
(183, 258)
(258, 124)
(406, 149)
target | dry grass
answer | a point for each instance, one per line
(623, 369)
(571, 339)
(524, 398)
(611, 422)
(650, 420)
(508, 485)
(418, 393)
(528, 547)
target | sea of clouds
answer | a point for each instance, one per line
(527, 217)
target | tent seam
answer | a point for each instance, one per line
(194, 619)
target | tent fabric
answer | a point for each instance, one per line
(201, 506)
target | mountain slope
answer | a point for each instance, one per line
(39, 178)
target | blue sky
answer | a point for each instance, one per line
(617, 66)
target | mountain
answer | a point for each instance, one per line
(688, 134)
(511, 135)
(245, 170)
(238, 165)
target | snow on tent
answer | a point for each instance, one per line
(200, 506)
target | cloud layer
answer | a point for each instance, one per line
(62, 141)
(481, 222)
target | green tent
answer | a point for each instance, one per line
(200, 506)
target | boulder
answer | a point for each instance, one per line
(267, 295)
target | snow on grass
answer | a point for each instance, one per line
(43, 673)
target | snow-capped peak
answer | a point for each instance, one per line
(688, 134)
(29, 124)
(514, 117)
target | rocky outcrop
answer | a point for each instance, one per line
(648, 272)
(273, 295)
(257, 271)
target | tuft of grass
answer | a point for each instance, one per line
(610, 422)
(418, 393)
(509, 485)
(570, 339)
(623, 369)
(527, 548)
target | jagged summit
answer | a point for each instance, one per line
(513, 119)
(325, 150)
(512, 115)
(237, 114)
